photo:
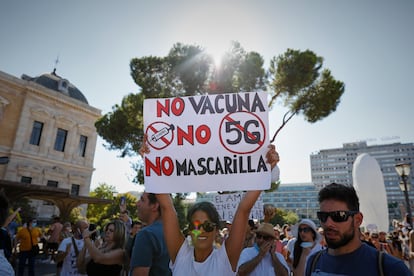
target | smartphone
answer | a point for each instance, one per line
(92, 227)
(123, 201)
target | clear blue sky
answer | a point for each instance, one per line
(366, 44)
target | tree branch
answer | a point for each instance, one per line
(286, 118)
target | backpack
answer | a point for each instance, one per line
(380, 262)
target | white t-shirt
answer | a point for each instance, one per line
(265, 267)
(69, 263)
(216, 264)
(5, 267)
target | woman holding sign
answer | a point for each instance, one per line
(200, 257)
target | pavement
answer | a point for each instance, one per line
(42, 268)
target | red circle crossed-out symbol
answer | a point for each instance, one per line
(243, 126)
(160, 135)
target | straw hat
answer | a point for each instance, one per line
(266, 229)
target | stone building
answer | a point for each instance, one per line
(48, 135)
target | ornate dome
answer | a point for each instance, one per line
(58, 84)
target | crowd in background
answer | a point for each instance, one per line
(73, 245)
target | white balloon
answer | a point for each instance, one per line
(369, 185)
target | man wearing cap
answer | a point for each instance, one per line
(261, 259)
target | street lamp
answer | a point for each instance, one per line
(403, 171)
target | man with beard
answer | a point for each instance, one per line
(346, 255)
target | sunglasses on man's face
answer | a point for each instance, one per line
(336, 216)
(266, 238)
(208, 226)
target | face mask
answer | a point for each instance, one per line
(306, 244)
(289, 233)
(34, 224)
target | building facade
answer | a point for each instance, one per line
(47, 131)
(335, 165)
(300, 198)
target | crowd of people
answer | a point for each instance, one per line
(156, 245)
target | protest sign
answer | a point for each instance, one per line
(207, 143)
(226, 205)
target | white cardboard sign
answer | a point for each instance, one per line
(226, 205)
(207, 143)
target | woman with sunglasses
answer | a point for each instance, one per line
(306, 242)
(199, 257)
(110, 257)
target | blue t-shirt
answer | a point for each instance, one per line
(363, 261)
(151, 251)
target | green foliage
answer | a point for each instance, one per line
(284, 217)
(180, 208)
(27, 211)
(187, 70)
(102, 213)
(273, 187)
(296, 79)
(75, 215)
(240, 71)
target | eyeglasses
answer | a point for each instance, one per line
(208, 226)
(305, 229)
(266, 238)
(336, 216)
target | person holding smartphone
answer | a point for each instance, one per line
(109, 258)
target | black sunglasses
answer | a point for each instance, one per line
(304, 229)
(336, 216)
(208, 226)
(266, 238)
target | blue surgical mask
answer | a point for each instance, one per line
(306, 244)
(34, 223)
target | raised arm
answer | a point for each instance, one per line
(171, 227)
(234, 243)
(172, 232)
(116, 256)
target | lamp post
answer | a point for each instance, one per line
(403, 171)
(307, 208)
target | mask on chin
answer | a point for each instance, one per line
(306, 244)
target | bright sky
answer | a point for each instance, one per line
(366, 44)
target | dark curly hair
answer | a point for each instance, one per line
(341, 193)
(206, 207)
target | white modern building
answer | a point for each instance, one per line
(335, 165)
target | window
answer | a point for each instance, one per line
(75, 189)
(82, 145)
(52, 183)
(61, 139)
(36, 133)
(26, 179)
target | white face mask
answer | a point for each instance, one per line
(306, 244)
(289, 233)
